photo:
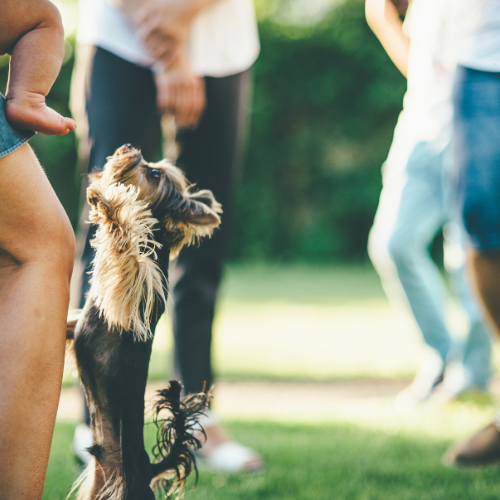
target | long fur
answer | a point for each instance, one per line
(126, 276)
(176, 438)
(82, 487)
(144, 213)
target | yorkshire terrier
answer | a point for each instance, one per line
(145, 213)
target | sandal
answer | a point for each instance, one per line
(228, 457)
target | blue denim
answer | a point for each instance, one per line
(414, 205)
(10, 138)
(477, 155)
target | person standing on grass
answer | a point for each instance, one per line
(189, 59)
(415, 203)
(36, 250)
(477, 159)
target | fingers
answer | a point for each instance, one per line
(162, 30)
(182, 93)
(190, 103)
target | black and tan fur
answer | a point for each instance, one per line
(145, 213)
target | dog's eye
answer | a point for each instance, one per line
(155, 172)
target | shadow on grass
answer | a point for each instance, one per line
(321, 462)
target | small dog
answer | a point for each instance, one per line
(145, 214)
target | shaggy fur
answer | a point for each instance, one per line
(145, 213)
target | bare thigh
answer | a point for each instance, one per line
(32, 220)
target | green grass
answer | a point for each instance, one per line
(308, 323)
(319, 323)
(321, 462)
(303, 322)
(299, 322)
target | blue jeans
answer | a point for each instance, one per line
(10, 138)
(414, 205)
(477, 155)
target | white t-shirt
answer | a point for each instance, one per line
(223, 38)
(427, 107)
(477, 33)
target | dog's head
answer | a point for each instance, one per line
(184, 215)
(140, 207)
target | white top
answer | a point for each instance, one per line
(477, 33)
(223, 38)
(427, 107)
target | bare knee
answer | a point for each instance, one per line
(52, 246)
(58, 247)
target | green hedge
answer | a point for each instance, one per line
(326, 99)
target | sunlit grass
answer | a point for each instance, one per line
(312, 323)
(331, 460)
(306, 322)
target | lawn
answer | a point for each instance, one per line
(278, 323)
(321, 462)
(308, 323)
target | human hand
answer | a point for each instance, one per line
(381, 11)
(401, 6)
(164, 27)
(181, 92)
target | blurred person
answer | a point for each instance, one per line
(36, 255)
(415, 203)
(477, 158)
(189, 59)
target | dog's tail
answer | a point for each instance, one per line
(175, 438)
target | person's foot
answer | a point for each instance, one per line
(483, 448)
(220, 454)
(428, 378)
(28, 111)
(457, 384)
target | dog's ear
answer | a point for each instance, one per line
(191, 217)
(110, 205)
(201, 210)
(97, 200)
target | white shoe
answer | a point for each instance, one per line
(428, 378)
(457, 382)
(82, 441)
(228, 457)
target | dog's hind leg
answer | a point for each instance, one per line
(135, 460)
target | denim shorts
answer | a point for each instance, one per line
(477, 156)
(10, 138)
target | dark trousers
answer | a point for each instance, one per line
(121, 108)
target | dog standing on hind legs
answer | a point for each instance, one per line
(145, 214)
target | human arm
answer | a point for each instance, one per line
(383, 18)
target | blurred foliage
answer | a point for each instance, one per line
(326, 99)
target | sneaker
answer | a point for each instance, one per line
(483, 448)
(82, 441)
(458, 384)
(227, 456)
(429, 376)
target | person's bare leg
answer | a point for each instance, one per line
(486, 275)
(36, 59)
(483, 447)
(36, 258)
